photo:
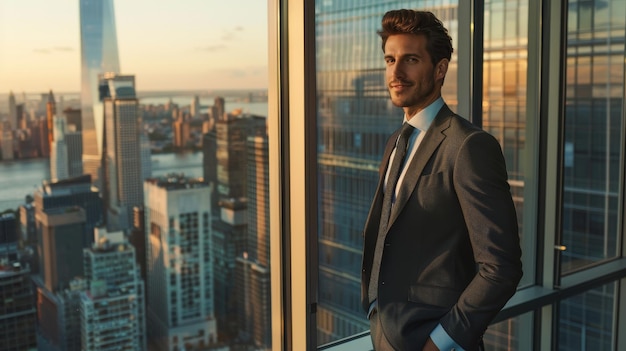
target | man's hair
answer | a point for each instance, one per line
(438, 42)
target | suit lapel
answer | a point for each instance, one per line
(434, 136)
(373, 218)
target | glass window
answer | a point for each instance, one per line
(354, 119)
(587, 321)
(513, 334)
(171, 156)
(594, 123)
(504, 102)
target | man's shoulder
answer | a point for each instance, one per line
(458, 124)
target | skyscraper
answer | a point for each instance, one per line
(76, 191)
(123, 176)
(12, 111)
(195, 107)
(209, 164)
(231, 133)
(60, 238)
(252, 274)
(99, 54)
(17, 308)
(112, 310)
(179, 263)
(74, 143)
(51, 112)
(59, 162)
(6, 141)
(59, 317)
(228, 235)
(146, 153)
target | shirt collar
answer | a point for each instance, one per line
(425, 117)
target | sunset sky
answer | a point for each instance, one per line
(167, 45)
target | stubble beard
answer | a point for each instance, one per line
(413, 98)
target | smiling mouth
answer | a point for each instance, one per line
(399, 85)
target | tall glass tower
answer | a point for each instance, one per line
(98, 39)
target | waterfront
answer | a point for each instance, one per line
(22, 177)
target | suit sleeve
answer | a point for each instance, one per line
(480, 181)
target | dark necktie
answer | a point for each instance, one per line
(390, 190)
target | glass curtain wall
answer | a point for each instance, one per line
(504, 115)
(354, 119)
(592, 166)
(594, 125)
(587, 320)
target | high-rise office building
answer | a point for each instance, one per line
(99, 54)
(258, 236)
(60, 233)
(40, 137)
(51, 112)
(209, 164)
(218, 109)
(73, 117)
(8, 236)
(74, 142)
(137, 238)
(146, 156)
(12, 111)
(59, 160)
(182, 129)
(17, 310)
(112, 309)
(228, 236)
(179, 263)
(252, 274)
(6, 143)
(28, 228)
(60, 245)
(21, 119)
(231, 133)
(58, 316)
(76, 191)
(122, 164)
(195, 107)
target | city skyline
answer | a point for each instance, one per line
(194, 45)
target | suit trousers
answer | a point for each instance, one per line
(380, 342)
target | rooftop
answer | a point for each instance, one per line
(175, 181)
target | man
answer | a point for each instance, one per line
(441, 253)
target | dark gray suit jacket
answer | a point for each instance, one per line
(452, 253)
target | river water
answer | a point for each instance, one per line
(22, 177)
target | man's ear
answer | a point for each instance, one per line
(441, 69)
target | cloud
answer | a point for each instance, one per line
(230, 34)
(63, 48)
(212, 48)
(50, 50)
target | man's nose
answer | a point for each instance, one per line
(397, 70)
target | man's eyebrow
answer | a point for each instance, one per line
(410, 54)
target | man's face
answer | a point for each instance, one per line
(412, 80)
